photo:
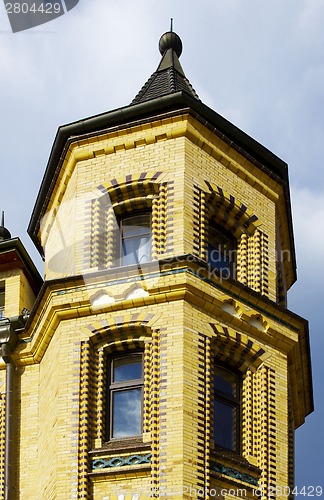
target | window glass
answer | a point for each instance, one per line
(127, 413)
(227, 408)
(225, 425)
(135, 239)
(221, 250)
(2, 302)
(127, 368)
(225, 381)
(124, 397)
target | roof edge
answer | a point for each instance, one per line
(15, 244)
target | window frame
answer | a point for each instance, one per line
(113, 387)
(121, 219)
(231, 241)
(2, 302)
(234, 402)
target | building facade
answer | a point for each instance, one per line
(158, 357)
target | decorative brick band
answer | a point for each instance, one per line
(84, 424)
(131, 460)
(258, 267)
(230, 472)
(200, 223)
(204, 418)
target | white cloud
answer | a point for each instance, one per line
(305, 297)
(308, 212)
(311, 19)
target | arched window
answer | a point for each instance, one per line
(227, 408)
(125, 394)
(120, 231)
(135, 239)
(221, 251)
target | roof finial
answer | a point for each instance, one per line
(4, 233)
(171, 28)
(170, 40)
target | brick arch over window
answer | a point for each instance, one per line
(135, 185)
(121, 334)
(237, 349)
(124, 196)
(228, 212)
(233, 215)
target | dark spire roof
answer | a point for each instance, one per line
(169, 76)
(4, 233)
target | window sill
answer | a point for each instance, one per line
(233, 467)
(121, 445)
(120, 456)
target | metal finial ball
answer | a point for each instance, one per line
(170, 40)
(4, 234)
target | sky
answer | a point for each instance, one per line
(259, 63)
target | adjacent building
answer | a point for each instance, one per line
(158, 357)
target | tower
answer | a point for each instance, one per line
(20, 283)
(160, 357)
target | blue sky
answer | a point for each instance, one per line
(259, 63)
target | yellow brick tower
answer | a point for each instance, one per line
(159, 358)
(20, 283)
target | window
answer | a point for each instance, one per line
(125, 396)
(2, 302)
(135, 239)
(227, 394)
(221, 250)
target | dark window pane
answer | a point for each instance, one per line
(127, 368)
(225, 381)
(225, 425)
(218, 258)
(221, 250)
(127, 413)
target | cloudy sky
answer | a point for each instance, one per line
(259, 63)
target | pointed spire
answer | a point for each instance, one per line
(4, 233)
(169, 76)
